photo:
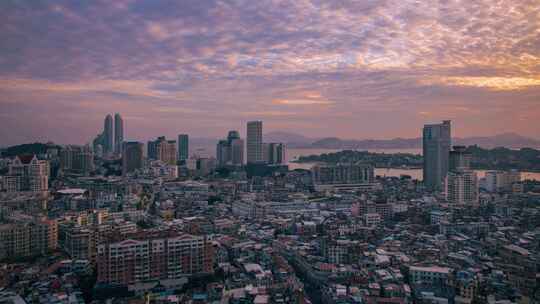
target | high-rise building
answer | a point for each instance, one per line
(77, 160)
(108, 140)
(163, 150)
(205, 165)
(459, 159)
(255, 142)
(152, 148)
(28, 173)
(232, 135)
(461, 183)
(98, 145)
(77, 241)
(462, 187)
(230, 151)
(118, 133)
(436, 150)
(236, 148)
(26, 237)
(274, 153)
(183, 147)
(132, 157)
(222, 153)
(236, 152)
(166, 151)
(501, 180)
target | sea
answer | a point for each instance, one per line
(294, 154)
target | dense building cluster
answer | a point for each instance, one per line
(115, 222)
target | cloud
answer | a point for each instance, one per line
(296, 102)
(347, 63)
(494, 83)
(141, 88)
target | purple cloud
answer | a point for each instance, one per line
(381, 68)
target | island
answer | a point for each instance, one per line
(525, 159)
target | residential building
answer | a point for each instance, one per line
(132, 157)
(28, 173)
(461, 183)
(501, 180)
(433, 275)
(163, 150)
(347, 175)
(77, 160)
(28, 237)
(371, 219)
(143, 258)
(77, 241)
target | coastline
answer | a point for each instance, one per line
(420, 167)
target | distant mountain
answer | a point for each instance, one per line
(396, 143)
(509, 140)
(33, 148)
(291, 139)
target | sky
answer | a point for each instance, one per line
(352, 69)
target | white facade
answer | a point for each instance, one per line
(501, 180)
(27, 174)
(429, 275)
(372, 219)
(461, 187)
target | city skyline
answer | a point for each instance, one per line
(370, 69)
(211, 139)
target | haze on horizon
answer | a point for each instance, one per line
(351, 69)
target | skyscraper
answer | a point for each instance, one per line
(236, 152)
(108, 141)
(236, 148)
(183, 147)
(436, 149)
(163, 150)
(274, 153)
(254, 142)
(132, 156)
(166, 151)
(118, 133)
(230, 151)
(152, 147)
(232, 135)
(222, 153)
